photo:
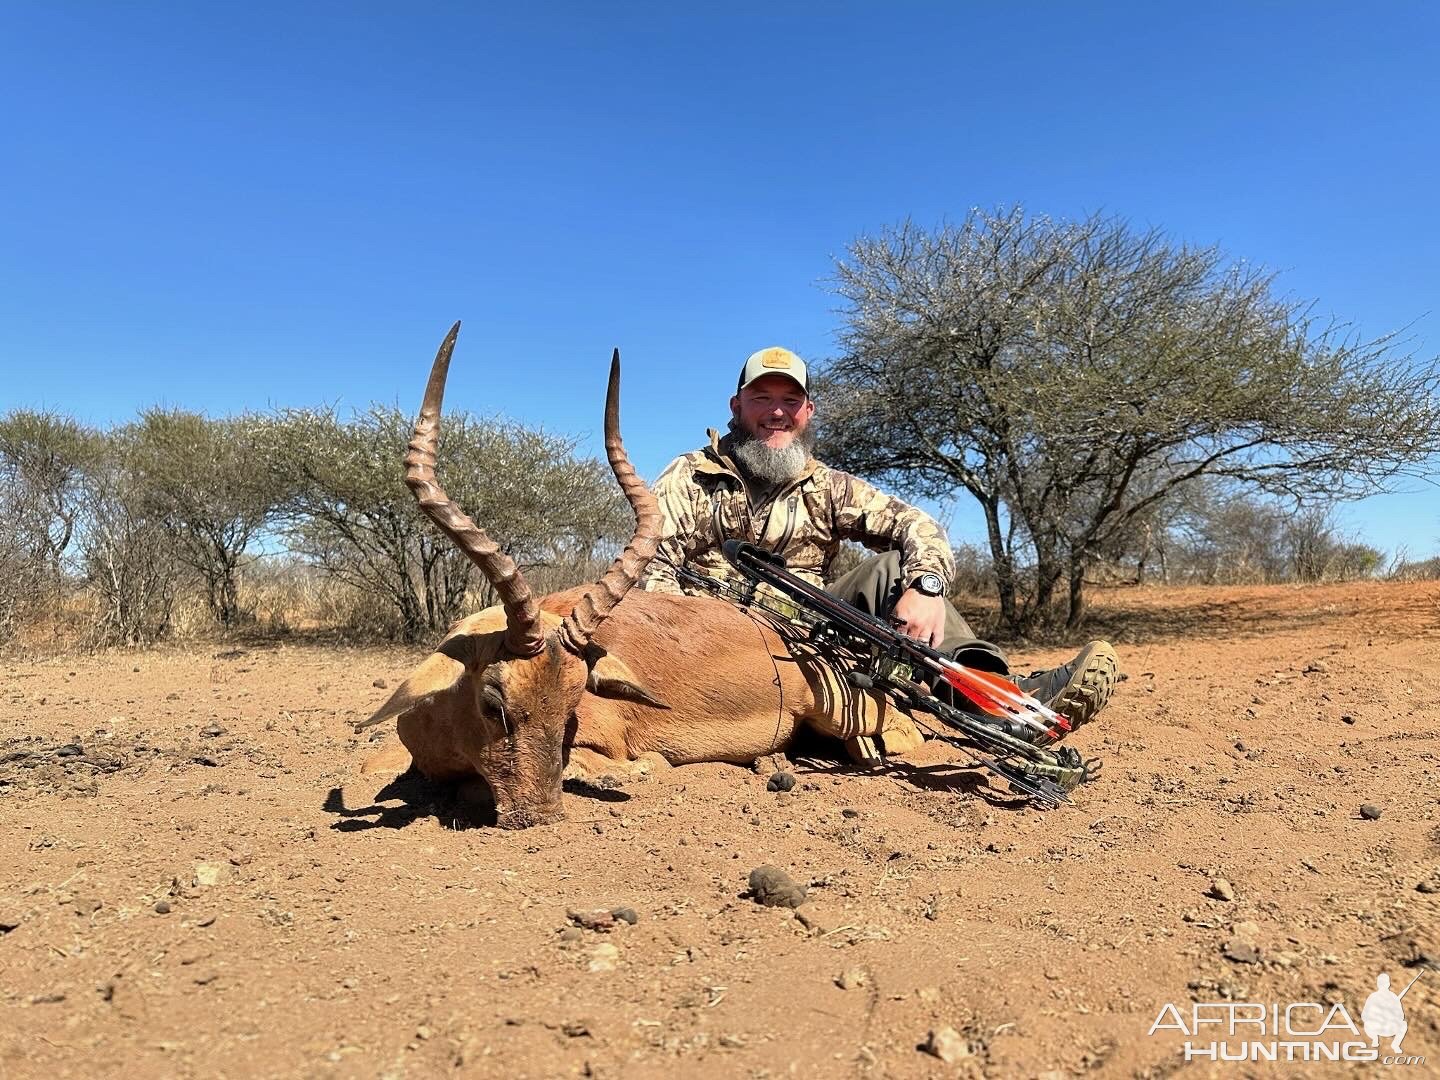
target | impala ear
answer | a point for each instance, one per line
(610, 677)
(439, 671)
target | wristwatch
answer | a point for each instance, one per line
(928, 585)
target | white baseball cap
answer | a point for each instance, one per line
(773, 361)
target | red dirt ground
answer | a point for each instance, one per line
(202, 888)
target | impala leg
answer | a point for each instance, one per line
(586, 764)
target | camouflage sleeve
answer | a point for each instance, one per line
(883, 523)
(677, 493)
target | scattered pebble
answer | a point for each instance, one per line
(809, 919)
(946, 1044)
(852, 979)
(626, 915)
(1431, 885)
(780, 781)
(773, 887)
(1319, 666)
(162, 907)
(1370, 812)
(1221, 889)
(603, 957)
(599, 920)
(210, 874)
(1241, 951)
(849, 812)
(380, 684)
(211, 731)
(571, 933)
(1346, 718)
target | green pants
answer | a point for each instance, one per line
(877, 583)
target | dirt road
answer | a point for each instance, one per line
(194, 884)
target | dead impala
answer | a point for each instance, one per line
(517, 692)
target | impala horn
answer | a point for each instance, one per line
(523, 635)
(595, 605)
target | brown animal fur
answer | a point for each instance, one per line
(674, 678)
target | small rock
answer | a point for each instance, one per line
(1346, 718)
(1317, 666)
(1370, 812)
(773, 887)
(162, 907)
(780, 781)
(599, 920)
(571, 933)
(70, 750)
(1246, 931)
(946, 1044)
(1431, 885)
(86, 905)
(1221, 889)
(575, 1029)
(380, 684)
(849, 812)
(809, 918)
(211, 731)
(210, 874)
(771, 763)
(626, 915)
(930, 995)
(852, 979)
(603, 957)
(424, 1031)
(1241, 951)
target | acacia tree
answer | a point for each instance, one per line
(205, 480)
(43, 457)
(126, 554)
(347, 510)
(1072, 375)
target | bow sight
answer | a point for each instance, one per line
(1000, 726)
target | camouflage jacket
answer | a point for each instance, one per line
(704, 502)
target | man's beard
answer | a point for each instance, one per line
(771, 466)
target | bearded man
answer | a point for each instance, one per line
(761, 484)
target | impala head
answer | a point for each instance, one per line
(503, 690)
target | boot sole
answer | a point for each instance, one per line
(1096, 671)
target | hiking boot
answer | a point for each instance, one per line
(1077, 690)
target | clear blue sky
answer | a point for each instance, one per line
(232, 206)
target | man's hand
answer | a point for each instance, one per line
(921, 617)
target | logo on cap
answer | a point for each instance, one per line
(774, 360)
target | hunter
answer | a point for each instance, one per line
(761, 484)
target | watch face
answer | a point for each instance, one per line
(930, 584)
